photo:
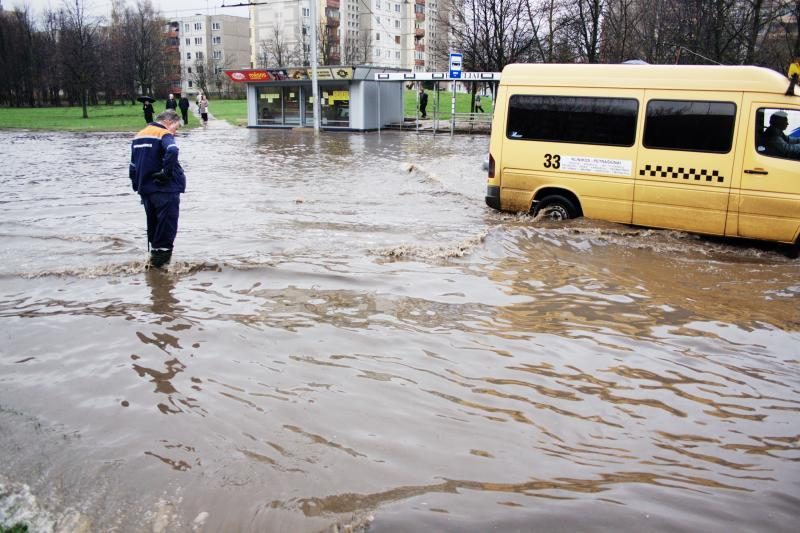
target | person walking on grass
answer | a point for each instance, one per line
(157, 175)
(423, 102)
(171, 102)
(183, 104)
(147, 107)
(204, 109)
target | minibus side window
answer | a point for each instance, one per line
(778, 134)
(692, 126)
(572, 119)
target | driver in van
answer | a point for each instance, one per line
(776, 142)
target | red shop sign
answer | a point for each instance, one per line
(243, 76)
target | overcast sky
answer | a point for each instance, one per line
(169, 8)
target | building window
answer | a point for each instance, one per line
(188, 55)
(396, 23)
(306, 12)
(186, 27)
(573, 119)
(690, 125)
(188, 70)
(216, 39)
(198, 26)
(198, 40)
(216, 26)
(199, 55)
(190, 84)
(397, 8)
(377, 36)
(188, 41)
(217, 54)
(397, 39)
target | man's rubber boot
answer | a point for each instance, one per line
(159, 258)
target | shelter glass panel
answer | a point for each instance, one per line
(291, 107)
(335, 105)
(270, 106)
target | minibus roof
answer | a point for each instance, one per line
(687, 77)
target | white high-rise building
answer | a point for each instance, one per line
(210, 44)
(384, 33)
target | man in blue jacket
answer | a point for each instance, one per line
(158, 177)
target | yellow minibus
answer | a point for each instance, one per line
(705, 149)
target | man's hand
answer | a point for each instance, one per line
(160, 178)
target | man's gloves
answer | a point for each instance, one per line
(160, 178)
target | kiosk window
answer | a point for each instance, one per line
(692, 126)
(573, 119)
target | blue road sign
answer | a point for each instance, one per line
(455, 65)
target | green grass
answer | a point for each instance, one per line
(129, 117)
(234, 111)
(16, 528)
(445, 102)
(101, 118)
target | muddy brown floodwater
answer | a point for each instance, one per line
(348, 336)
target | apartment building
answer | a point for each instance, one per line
(381, 33)
(210, 44)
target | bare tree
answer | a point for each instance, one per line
(80, 45)
(200, 76)
(328, 44)
(620, 40)
(492, 33)
(276, 51)
(143, 29)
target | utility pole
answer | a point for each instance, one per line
(314, 81)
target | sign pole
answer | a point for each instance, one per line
(455, 74)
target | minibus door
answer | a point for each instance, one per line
(685, 165)
(769, 199)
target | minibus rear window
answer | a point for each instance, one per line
(693, 126)
(573, 119)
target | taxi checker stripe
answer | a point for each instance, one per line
(696, 174)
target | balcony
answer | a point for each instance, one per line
(420, 17)
(419, 33)
(332, 3)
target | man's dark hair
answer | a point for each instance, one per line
(168, 115)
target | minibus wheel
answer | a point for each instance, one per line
(555, 207)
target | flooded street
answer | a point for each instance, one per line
(348, 336)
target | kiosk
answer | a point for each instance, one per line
(350, 97)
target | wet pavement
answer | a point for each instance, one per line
(348, 336)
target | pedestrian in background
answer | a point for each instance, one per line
(478, 106)
(171, 102)
(197, 100)
(147, 107)
(158, 177)
(204, 109)
(423, 102)
(183, 104)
